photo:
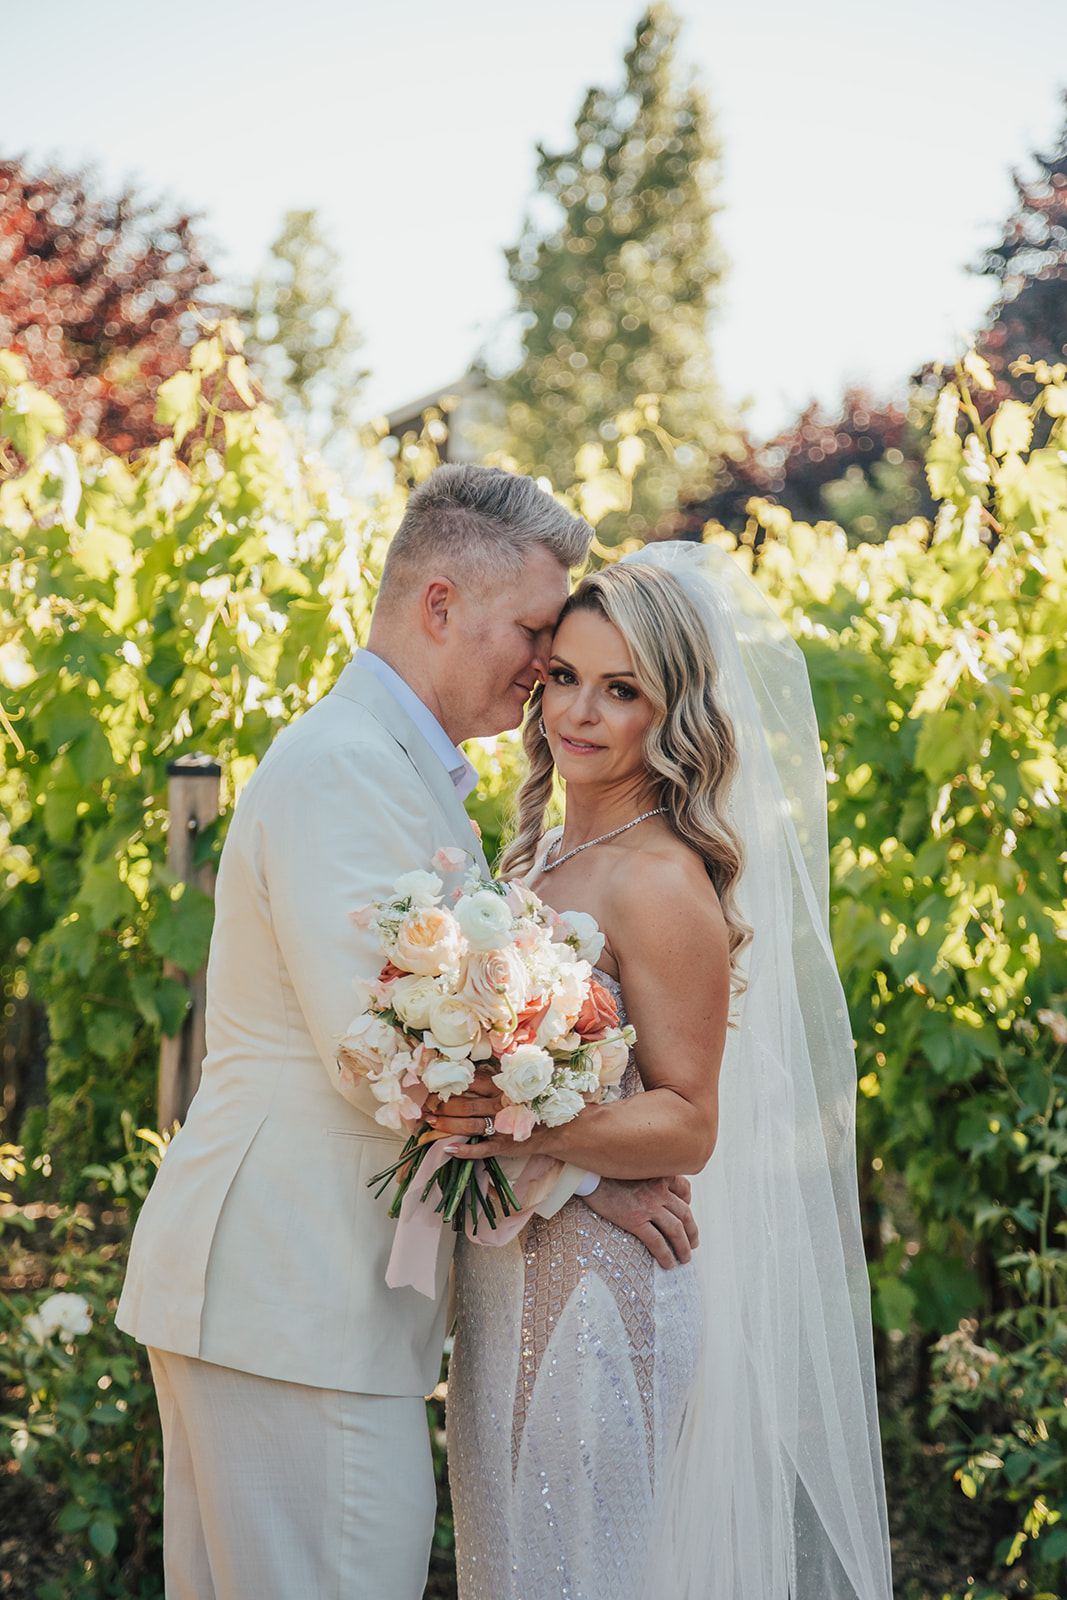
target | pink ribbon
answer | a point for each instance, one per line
(413, 1258)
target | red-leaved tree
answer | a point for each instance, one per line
(95, 295)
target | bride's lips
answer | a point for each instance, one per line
(579, 747)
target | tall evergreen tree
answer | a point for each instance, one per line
(616, 283)
(302, 341)
(1029, 264)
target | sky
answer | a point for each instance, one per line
(867, 156)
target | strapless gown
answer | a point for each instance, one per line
(574, 1356)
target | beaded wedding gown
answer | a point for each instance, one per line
(567, 1387)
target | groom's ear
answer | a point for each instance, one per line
(436, 601)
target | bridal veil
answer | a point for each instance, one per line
(776, 1492)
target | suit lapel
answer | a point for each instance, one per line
(364, 689)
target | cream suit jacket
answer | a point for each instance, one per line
(260, 1246)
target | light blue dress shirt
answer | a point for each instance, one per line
(459, 769)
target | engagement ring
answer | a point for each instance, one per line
(489, 1129)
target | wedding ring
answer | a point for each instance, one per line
(489, 1129)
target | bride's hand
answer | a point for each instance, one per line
(464, 1115)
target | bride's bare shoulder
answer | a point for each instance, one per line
(666, 878)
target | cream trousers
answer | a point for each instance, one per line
(277, 1491)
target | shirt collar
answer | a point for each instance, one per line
(459, 768)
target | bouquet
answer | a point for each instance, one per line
(498, 980)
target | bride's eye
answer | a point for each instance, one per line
(623, 691)
(560, 675)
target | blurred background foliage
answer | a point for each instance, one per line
(302, 342)
(615, 277)
(177, 573)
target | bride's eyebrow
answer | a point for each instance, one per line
(561, 661)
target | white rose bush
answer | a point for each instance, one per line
(500, 981)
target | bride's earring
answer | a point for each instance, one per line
(541, 725)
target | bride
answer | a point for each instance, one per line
(618, 1431)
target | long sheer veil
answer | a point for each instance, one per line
(777, 1489)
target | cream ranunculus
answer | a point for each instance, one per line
(561, 1105)
(427, 941)
(484, 919)
(448, 1077)
(410, 998)
(580, 930)
(452, 1021)
(525, 1072)
(421, 888)
(493, 984)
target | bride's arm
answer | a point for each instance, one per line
(670, 939)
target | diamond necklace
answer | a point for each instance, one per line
(547, 866)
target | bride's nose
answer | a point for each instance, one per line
(585, 704)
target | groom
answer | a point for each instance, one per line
(289, 1377)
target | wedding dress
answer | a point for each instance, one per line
(618, 1432)
(573, 1358)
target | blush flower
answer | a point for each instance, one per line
(518, 1121)
(368, 1046)
(449, 859)
(493, 984)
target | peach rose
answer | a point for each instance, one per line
(427, 940)
(493, 984)
(599, 1013)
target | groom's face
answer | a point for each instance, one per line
(500, 644)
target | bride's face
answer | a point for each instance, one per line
(595, 715)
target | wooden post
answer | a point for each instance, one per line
(193, 801)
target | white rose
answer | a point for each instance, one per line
(484, 920)
(421, 888)
(452, 1022)
(612, 1055)
(561, 1105)
(525, 1073)
(581, 932)
(410, 998)
(448, 1077)
(65, 1314)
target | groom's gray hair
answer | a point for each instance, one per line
(477, 525)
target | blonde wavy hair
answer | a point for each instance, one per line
(689, 745)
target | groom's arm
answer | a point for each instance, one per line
(654, 1210)
(336, 829)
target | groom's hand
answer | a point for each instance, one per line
(654, 1210)
(464, 1115)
